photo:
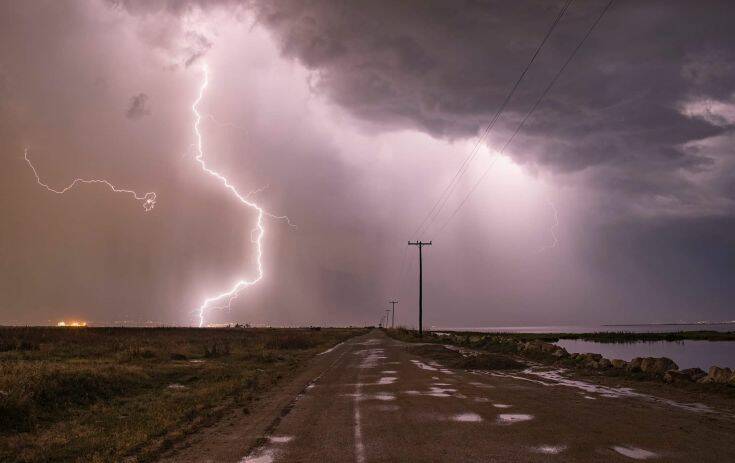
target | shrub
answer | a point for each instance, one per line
(38, 392)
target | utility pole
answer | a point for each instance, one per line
(420, 245)
(394, 312)
(387, 317)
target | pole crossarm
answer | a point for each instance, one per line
(393, 321)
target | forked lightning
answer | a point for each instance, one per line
(148, 200)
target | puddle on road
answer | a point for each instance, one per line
(434, 392)
(265, 456)
(502, 405)
(371, 359)
(440, 391)
(423, 366)
(383, 396)
(461, 350)
(635, 453)
(387, 380)
(331, 349)
(549, 449)
(467, 418)
(508, 418)
(557, 378)
(389, 372)
(481, 399)
(483, 385)
(280, 439)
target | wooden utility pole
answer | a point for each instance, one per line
(420, 245)
(393, 324)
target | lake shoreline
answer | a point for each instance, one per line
(609, 336)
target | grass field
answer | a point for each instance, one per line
(127, 394)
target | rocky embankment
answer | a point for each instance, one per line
(661, 368)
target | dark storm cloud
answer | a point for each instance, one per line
(138, 106)
(444, 67)
(197, 47)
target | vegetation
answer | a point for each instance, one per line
(114, 394)
(429, 346)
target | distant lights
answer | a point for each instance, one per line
(63, 323)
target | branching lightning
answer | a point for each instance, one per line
(256, 235)
(258, 232)
(148, 199)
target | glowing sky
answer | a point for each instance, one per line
(352, 119)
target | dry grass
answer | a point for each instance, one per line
(114, 394)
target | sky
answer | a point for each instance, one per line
(615, 202)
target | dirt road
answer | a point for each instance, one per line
(370, 400)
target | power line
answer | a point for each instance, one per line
(444, 197)
(529, 113)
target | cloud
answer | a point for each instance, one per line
(615, 115)
(138, 107)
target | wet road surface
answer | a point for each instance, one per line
(374, 401)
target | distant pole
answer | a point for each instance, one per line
(420, 245)
(393, 324)
(387, 317)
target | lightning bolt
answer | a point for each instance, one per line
(224, 299)
(148, 199)
(552, 229)
(256, 235)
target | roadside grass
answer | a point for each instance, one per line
(406, 335)
(431, 345)
(126, 394)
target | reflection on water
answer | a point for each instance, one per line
(686, 354)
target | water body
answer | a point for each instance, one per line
(651, 328)
(686, 354)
